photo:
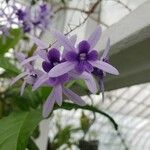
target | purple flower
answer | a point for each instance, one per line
(41, 49)
(100, 74)
(43, 8)
(56, 82)
(76, 62)
(24, 17)
(21, 14)
(29, 74)
(81, 58)
(31, 18)
(42, 17)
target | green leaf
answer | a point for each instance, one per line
(64, 135)
(32, 145)
(8, 66)
(7, 74)
(10, 41)
(84, 122)
(16, 129)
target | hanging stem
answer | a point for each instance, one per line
(69, 106)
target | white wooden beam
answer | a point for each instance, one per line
(130, 48)
(132, 29)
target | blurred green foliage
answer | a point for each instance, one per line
(10, 42)
(16, 129)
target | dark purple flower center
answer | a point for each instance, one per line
(98, 72)
(54, 59)
(21, 14)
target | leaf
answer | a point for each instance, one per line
(84, 122)
(16, 129)
(32, 145)
(64, 135)
(10, 41)
(8, 66)
(28, 100)
(7, 74)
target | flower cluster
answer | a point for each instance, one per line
(79, 61)
(30, 19)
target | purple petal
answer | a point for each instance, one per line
(63, 40)
(63, 78)
(38, 72)
(73, 97)
(95, 36)
(92, 55)
(56, 45)
(33, 58)
(106, 51)
(30, 79)
(54, 55)
(90, 82)
(38, 42)
(73, 41)
(23, 74)
(42, 53)
(88, 67)
(61, 69)
(84, 47)
(47, 66)
(79, 68)
(58, 94)
(40, 81)
(22, 88)
(71, 56)
(105, 67)
(48, 105)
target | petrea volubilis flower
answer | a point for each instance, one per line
(56, 82)
(29, 74)
(34, 18)
(100, 74)
(42, 18)
(81, 58)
